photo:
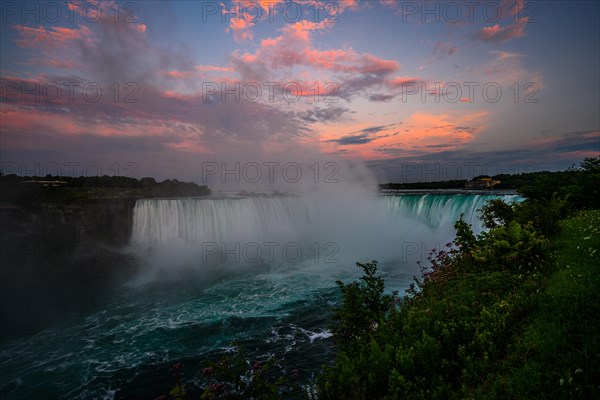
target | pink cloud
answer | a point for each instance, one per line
(213, 68)
(420, 132)
(53, 38)
(242, 29)
(292, 54)
(242, 20)
(512, 8)
(401, 81)
(199, 72)
(244, 14)
(294, 47)
(389, 3)
(351, 4)
(499, 34)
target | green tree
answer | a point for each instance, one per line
(363, 308)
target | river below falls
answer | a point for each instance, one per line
(188, 306)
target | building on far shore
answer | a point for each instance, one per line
(482, 183)
(43, 183)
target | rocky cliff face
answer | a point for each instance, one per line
(107, 221)
(58, 257)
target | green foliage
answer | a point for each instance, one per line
(579, 188)
(17, 190)
(543, 214)
(496, 212)
(363, 308)
(591, 164)
(465, 238)
(457, 325)
(236, 377)
(510, 247)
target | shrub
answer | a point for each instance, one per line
(364, 306)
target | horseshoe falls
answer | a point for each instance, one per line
(258, 271)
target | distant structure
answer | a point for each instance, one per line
(44, 183)
(482, 183)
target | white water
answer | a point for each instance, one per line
(268, 229)
(280, 307)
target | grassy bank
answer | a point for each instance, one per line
(558, 353)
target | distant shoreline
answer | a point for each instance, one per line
(417, 192)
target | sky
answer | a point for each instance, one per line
(414, 91)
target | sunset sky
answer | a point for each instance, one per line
(487, 87)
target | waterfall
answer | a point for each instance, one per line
(158, 222)
(440, 209)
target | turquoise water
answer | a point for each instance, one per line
(192, 299)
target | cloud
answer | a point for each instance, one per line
(444, 49)
(354, 139)
(363, 136)
(505, 55)
(57, 46)
(381, 98)
(569, 142)
(324, 115)
(278, 58)
(497, 34)
(294, 48)
(556, 152)
(389, 3)
(465, 163)
(506, 68)
(245, 14)
(52, 38)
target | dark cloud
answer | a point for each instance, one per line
(577, 141)
(363, 136)
(353, 139)
(325, 115)
(381, 98)
(444, 49)
(464, 163)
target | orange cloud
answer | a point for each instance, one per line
(244, 14)
(499, 34)
(53, 37)
(242, 19)
(351, 4)
(421, 132)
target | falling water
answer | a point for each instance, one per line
(279, 307)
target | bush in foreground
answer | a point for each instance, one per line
(453, 327)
